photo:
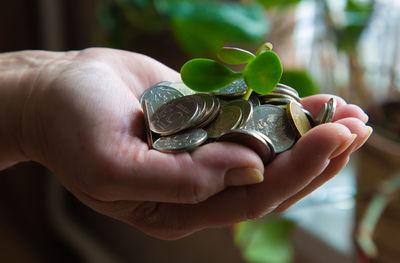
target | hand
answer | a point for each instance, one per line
(84, 122)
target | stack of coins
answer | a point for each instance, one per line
(178, 119)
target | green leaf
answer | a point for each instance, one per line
(264, 72)
(301, 81)
(235, 56)
(266, 240)
(205, 75)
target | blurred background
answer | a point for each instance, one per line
(345, 47)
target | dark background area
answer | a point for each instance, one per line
(28, 231)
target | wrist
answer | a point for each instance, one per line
(22, 76)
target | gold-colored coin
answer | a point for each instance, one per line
(298, 118)
(228, 119)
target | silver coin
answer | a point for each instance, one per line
(209, 104)
(255, 140)
(309, 117)
(331, 108)
(157, 96)
(149, 134)
(176, 115)
(184, 141)
(273, 122)
(246, 107)
(236, 89)
(201, 114)
(180, 86)
(277, 101)
(291, 93)
(211, 113)
(254, 100)
(321, 115)
(228, 119)
(276, 95)
(284, 86)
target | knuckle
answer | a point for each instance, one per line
(152, 219)
(193, 190)
(257, 210)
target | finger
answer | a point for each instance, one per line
(337, 163)
(285, 176)
(182, 177)
(350, 111)
(356, 126)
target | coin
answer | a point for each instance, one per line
(236, 89)
(309, 117)
(212, 112)
(229, 118)
(331, 108)
(202, 100)
(273, 122)
(245, 106)
(209, 105)
(273, 95)
(286, 87)
(277, 101)
(184, 141)
(298, 118)
(255, 140)
(291, 92)
(157, 96)
(149, 135)
(254, 100)
(181, 87)
(176, 115)
(321, 114)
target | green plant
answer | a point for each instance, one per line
(262, 72)
(266, 240)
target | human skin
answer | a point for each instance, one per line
(78, 114)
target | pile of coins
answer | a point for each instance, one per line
(178, 119)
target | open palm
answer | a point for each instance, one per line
(88, 128)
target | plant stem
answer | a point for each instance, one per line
(248, 93)
(265, 47)
(372, 215)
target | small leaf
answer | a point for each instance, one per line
(263, 73)
(235, 56)
(205, 75)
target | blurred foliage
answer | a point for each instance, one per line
(301, 81)
(266, 240)
(348, 25)
(200, 27)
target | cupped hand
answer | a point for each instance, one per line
(84, 122)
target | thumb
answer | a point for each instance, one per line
(149, 175)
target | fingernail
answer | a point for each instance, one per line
(243, 176)
(344, 146)
(370, 130)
